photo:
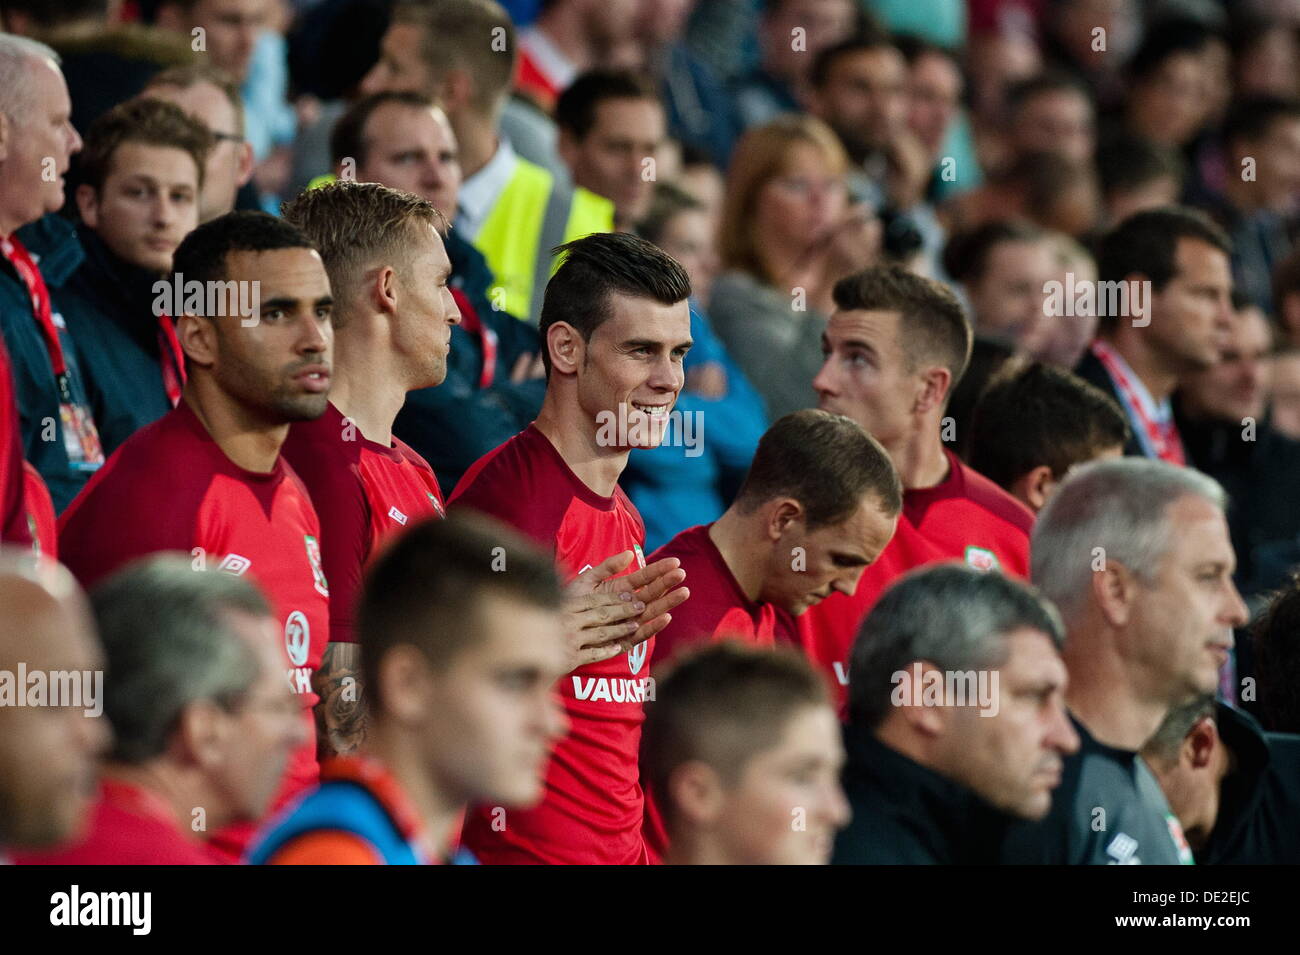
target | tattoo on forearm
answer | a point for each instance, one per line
(341, 712)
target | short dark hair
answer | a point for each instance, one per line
(950, 615)
(1253, 118)
(599, 265)
(1049, 81)
(48, 14)
(1127, 162)
(347, 138)
(462, 34)
(824, 461)
(425, 589)
(575, 110)
(966, 256)
(866, 40)
(722, 705)
(1035, 414)
(1277, 659)
(202, 254)
(914, 47)
(933, 325)
(1166, 38)
(1146, 243)
(152, 122)
(168, 643)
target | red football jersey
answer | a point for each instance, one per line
(40, 513)
(593, 807)
(128, 826)
(718, 608)
(964, 517)
(363, 492)
(170, 487)
(15, 527)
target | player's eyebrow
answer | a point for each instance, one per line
(653, 343)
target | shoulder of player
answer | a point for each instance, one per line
(988, 497)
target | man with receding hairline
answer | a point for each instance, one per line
(895, 346)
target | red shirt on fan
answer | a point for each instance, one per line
(170, 487)
(128, 826)
(363, 492)
(593, 807)
(718, 608)
(964, 517)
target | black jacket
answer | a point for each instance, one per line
(1094, 372)
(907, 814)
(1259, 801)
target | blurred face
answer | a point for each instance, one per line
(265, 728)
(822, 23)
(229, 160)
(834, 557)
(1062, 339)
(148, 203)
(36, 149)
(1277, 167)
(1237, 387)
(48, 755)
(1191, 317)
(798, 207)
(1007, 299)
(866, 376)
(1286, 394)
(688, 238)
(1182, 624)
(231, 28)
(934, 98)
(278, 369)
(660, 22)
(1269, 67)
(413, 150)
(634, 362)
(1059, 121)
(1170, 105)
(796, 781)
(400, 69)
(610, 22)
(492, 715)
(611, 159)
(422, 332)
(865, 99)
(1149, 195)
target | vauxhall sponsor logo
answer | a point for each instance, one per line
(614, 690)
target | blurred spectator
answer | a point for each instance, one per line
(1050, 113)
(1165, 276)
(704, 182)
(1277, 659)
(1004, 269)
(569, 38)
(988, 356)
(676, 485)
(212, 98)
(1144, 633)
(791, 34)
(48, 754)
(1093, 39)
(1034, 423)
(58, 427)
(1137, 174)
(939, 785)
(493, 387)
(1168, 80)
(935, 85)
(143, 166)
(787, 235)
(439, 624)
(513, 211)
(203, 721)
(1284, 375)
(818, 486)
(228, 30)
(1046, 189)
(1063, 334)
(742, 742)
(1285, 289)
(612, 127)
(1265, 58)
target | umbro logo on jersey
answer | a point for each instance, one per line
(1123, 850)
(397, 515)
(234, 564)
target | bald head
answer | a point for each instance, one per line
(50, 678)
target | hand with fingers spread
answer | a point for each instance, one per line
(608, 615)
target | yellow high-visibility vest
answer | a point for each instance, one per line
(529, 218)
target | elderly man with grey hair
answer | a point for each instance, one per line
(957, 723)
(37, 141)
(204, 719)
(1136, 555)
(48, 749)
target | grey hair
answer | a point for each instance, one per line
(1164, 745)
(16, 54)
(952, 616)
(1113, 510)
(169, 643)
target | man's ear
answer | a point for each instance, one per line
(88, 205)
(1034, 487)
(382, 286)
(1200, 744)
(781, 513)
(935, 383)
(405, 675)
(198, 339)
(697, 793)
(566, 348)
(201, 734)
(908, 694)
(1114, 588)
(245, 164)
